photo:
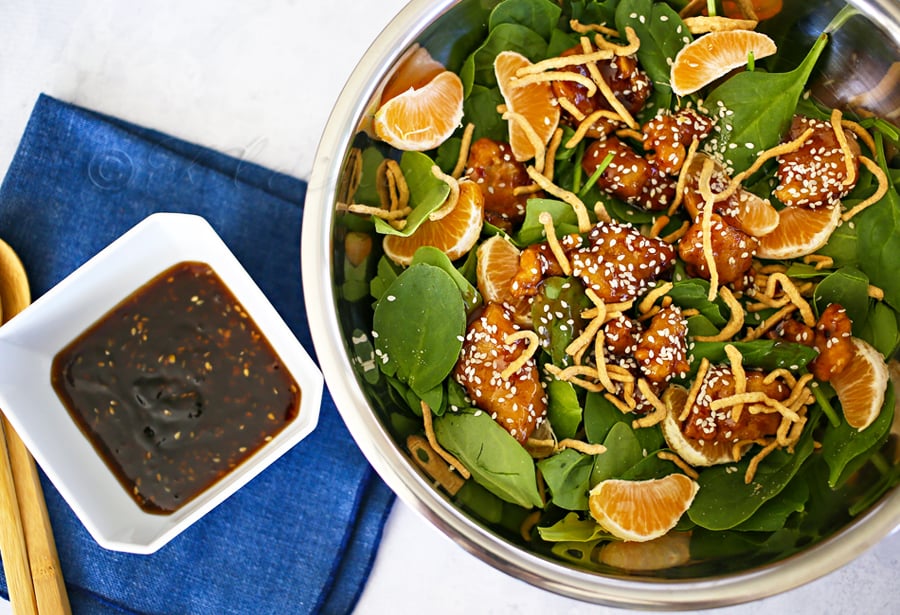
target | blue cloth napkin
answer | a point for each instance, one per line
(301, 536)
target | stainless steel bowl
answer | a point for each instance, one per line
(859, 56)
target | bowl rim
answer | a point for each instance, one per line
(395, 469)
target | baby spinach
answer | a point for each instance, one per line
(774, 513)
(419, 341)
(495, 459)
(849, 288)
(765, 354)
(842, 444)
(563, 408)
(623, 450)
(503, 37)
(426, 193)
(433, 256)
(882, 329)
(600, 416)
(725, 501)
(480, 107)
(556, 310)
(539, 16)
(568, 476)
(694, 293)
(662, 34)
(878, 228)
(761, 106)
(565, 220)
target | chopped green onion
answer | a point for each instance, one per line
(751, 61)
(579, 156)
(826, 407)
(711, 7)
(596, 175)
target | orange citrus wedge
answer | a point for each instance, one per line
(861, 385)
(414, 70)
(641, 510)
(497, 265)
(421, 119)
(800, 231)
(454, 234)
(534, 102)
(756, 216)
(714, 55)
(697, 453)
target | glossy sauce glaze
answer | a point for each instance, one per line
(175, 386)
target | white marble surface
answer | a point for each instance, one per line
(257, 79)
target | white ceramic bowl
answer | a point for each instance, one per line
(29, 342)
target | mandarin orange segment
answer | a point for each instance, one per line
(421, 119)
(669, 551)
(697, 453)
(414, 70)
(800, 231)
(533, 101)
(454, 234)
(861, 385)
(498, 263)
(641, 510)
(714, 55)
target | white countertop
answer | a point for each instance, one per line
(257, 79)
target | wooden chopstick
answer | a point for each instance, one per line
(43, 559)
(12, 538)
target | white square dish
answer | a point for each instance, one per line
(31, 340)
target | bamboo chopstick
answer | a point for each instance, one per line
(12, 538)
(46, 573)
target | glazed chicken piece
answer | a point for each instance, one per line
(628, 82)
(831, 337)
(637, 180)
(619, 263)
(732, 250)
(662, 352)
(492, 166)
(668, 136)
(705, 424)
(621, 335)
(517, 403)
(537, 262)
(814, 175)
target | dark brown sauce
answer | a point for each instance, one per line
(175, 387)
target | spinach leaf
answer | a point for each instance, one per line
(843, 444)
(694, 293)
(426, 193)
(563, 408)
(367, 192)
(662, 34)
(879, 235)
(600, 416)
(504, 37)
(419, 341)
(725, 501)
(385, 275)
(773, 514)
(495, 459)
(623, 450)
(532, 231)
(480, 501)
(765, 354)
(556, 312)
(568, 475)
(755, 108)
(538, 15)
(433, 256)
(882, 329)
(843, 246)
(572, 528)
(480, 108)
(848, 287)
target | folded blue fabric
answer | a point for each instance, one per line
(301, 536)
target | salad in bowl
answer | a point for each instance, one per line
(621, 289)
